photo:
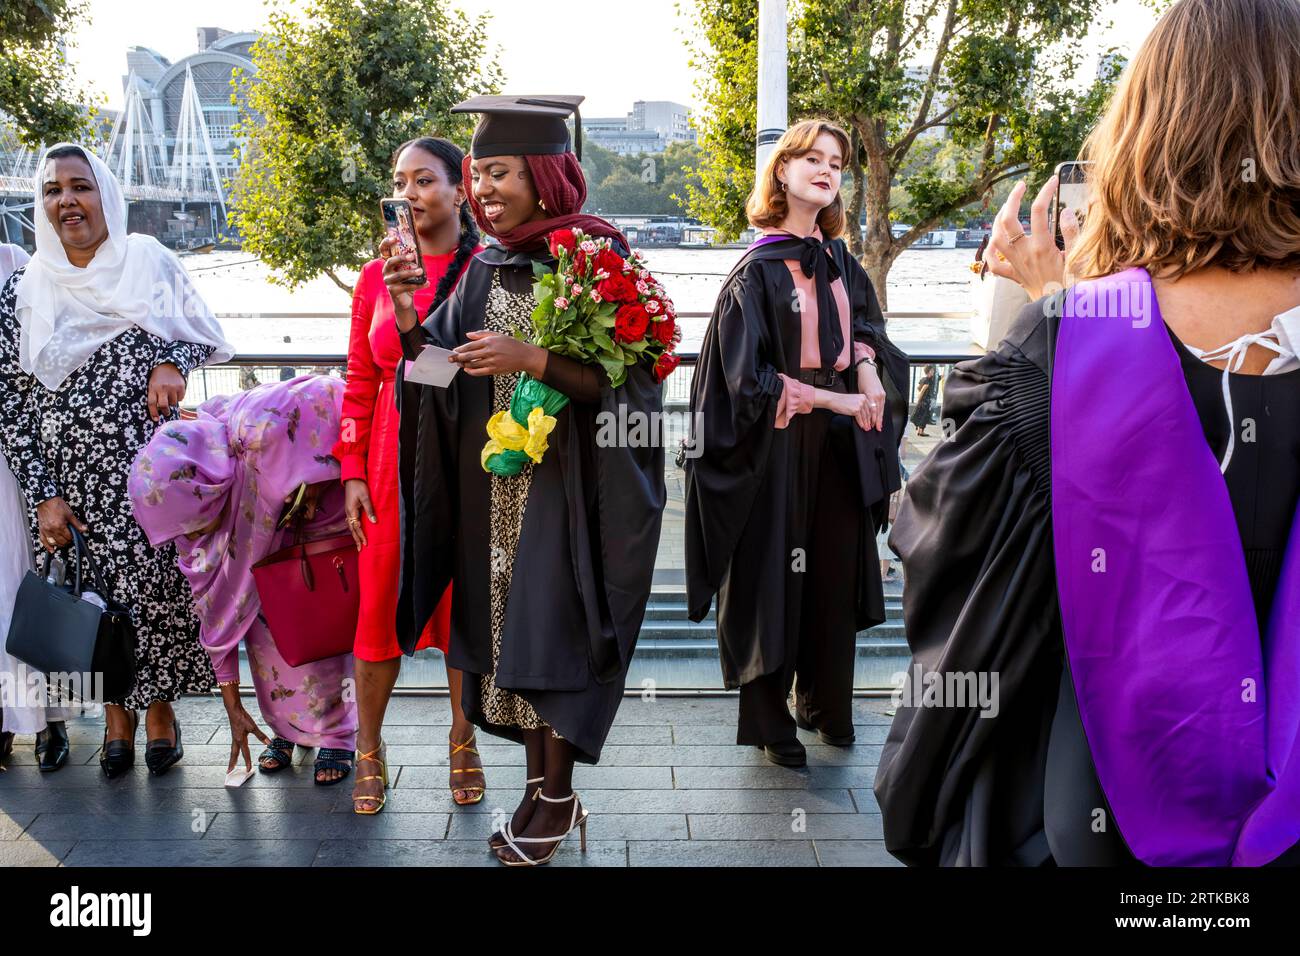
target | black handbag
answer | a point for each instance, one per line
(76, 644)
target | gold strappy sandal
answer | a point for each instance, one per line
(382, 775)
(478, 791)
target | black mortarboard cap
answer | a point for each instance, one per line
(523, 125)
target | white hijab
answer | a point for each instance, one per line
(67, 313)
(11, 259)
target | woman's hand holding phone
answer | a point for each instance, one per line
(1033, 261)
(399, 268)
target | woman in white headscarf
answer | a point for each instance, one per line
(23, 708)
(97, 335)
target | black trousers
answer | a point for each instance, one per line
(1081, 830)
(821, 631)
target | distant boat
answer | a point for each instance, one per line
(194, 246)
(937, 239)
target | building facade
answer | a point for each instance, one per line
(648, 128)
(162, 84)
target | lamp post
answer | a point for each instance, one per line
(772, 118)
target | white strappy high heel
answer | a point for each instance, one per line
(576, 822)
(495, 844)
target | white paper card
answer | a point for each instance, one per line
(432, 368)
(239, 776)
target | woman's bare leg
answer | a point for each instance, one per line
(375, 682)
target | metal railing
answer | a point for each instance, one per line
(673, 652)
(272, 366)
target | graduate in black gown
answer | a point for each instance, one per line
(1107, 532)
(797, 409)
(551, 567)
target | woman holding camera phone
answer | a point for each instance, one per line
(551, 565)
(1112, 529)
(427, 175)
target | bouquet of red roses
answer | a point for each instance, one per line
(595, 307)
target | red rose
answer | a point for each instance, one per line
(629, 323)
(610, 261)
(617, 288)
(663, 331)
(563, 239)
(579, 263)
(664, 367)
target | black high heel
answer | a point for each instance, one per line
(160, 754)
(116, 757)
(52, 747)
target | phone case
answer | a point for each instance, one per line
(398, 222)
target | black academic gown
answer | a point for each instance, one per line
(974, 534)
(740, 480)
(586, 550)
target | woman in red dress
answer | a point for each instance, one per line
(426, 171)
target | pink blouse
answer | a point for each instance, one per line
(796, 396)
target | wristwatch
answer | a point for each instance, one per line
(869, 360)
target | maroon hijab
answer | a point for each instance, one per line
(562, 189)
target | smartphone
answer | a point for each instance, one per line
(399, 220)
(1072, 192)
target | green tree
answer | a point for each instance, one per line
(597, 163)
(34, 87)
(990, 75)
(642, 184)
(334, 94)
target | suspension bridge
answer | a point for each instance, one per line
(152, 168)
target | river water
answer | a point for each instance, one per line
(239, 289)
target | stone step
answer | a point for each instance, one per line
(684, 630)
(693, 663)
(661, 609)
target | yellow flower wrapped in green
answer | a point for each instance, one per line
(519, 435)
(539, 426)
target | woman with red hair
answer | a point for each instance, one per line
(551, 567)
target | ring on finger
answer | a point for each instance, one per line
(1016, 238)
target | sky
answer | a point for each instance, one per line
(650, 61)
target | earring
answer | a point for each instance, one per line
(542, 204)
(782, 187)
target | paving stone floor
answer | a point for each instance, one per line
(672, 789)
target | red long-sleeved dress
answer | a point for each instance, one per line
(367, 449)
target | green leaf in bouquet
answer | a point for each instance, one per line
(539, 317)
(614, 369)
(637, 347)
(540, 270)
(629, 358)
(603, 341)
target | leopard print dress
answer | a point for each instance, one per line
(507, 312)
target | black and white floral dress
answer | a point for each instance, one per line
(78, 443)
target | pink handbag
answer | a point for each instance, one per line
(311, 597)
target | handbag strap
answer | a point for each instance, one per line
(80, 549)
